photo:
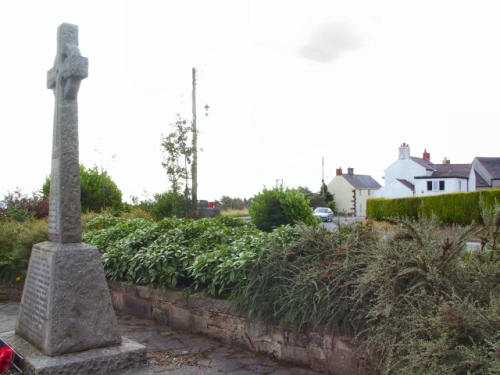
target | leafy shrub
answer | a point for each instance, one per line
(16, 242)
(166, 204)
(275, 207)
(98, 190)
(210, 254)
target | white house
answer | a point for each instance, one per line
(412, 176)
(399, 177)
(351, 191)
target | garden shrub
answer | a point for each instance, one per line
(16, 241)
(275, 207)
(306, 284)
(210, 254)
(416, 298)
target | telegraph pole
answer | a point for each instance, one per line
(322, 169)
(194, 166)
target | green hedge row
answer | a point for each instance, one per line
(454, 208)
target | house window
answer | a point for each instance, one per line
(435, 185)
(368, 192)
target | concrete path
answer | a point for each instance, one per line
(174, 352)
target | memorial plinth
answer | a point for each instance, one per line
(66, 306)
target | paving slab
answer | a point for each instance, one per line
(176, 352)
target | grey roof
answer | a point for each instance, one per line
(423, 162)
(407, 183)
(359, 181)
(492, 165)
(452, 170)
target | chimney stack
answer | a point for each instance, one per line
(404, 151)
(339, 171)
(350, 171)
(446, 161)
(426, 156)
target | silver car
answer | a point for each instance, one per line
(324, 213)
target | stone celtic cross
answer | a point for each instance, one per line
(64, 78)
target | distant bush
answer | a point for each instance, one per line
(166, 204)
(98, 190)
(275, 207)
(20, 207)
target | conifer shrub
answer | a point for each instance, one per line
(417, 299)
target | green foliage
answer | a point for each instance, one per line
(98, 191)
(16, 240)
(275, 207)
(178, 156)
(322, 199)
(169, 204)
(306, 284)
(209, 254)
(453, 208)
(227, 203)
(417, 299)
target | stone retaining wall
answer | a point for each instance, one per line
(213, 317)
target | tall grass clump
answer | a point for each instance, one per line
(307, 284)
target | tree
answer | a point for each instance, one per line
(98, 190)
(275, 207)
(228, 203)
(322, 199)
(328, 197)
(178, 158)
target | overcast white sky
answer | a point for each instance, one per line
(288, 83)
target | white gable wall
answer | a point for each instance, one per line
(405, 169)
(394, 189)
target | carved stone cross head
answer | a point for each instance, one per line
(69, 66)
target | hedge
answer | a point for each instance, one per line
(456, 208)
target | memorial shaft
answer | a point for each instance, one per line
(64, 79)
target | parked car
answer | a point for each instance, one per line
(324, 213)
